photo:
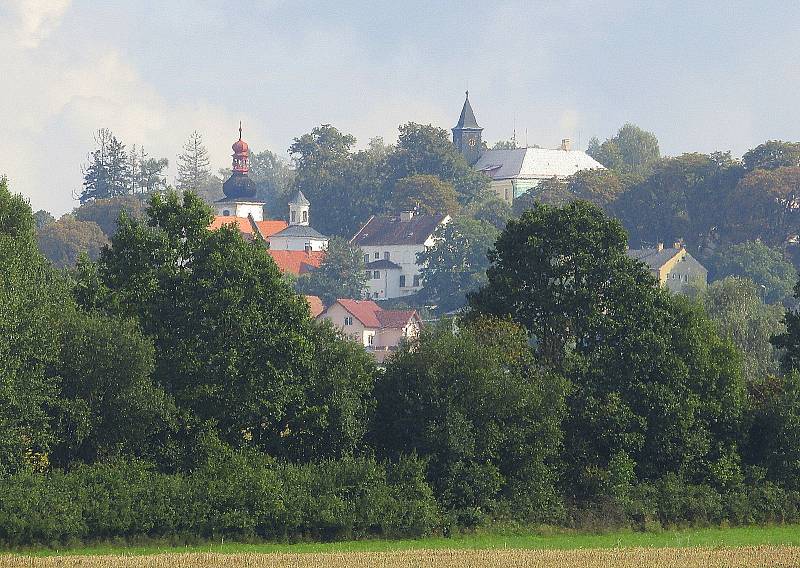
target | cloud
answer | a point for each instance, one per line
(34, 20)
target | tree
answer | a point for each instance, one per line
(736, 306)
(340, 275)
(42, 218)
(505, 145)
(426, 149)
(764, 205)
(789, 341)
(631, 151)
(456, 264)
(494, 211)
(33, 298)
(108, 172)
(471, 400)
(772, 274)
(273, 178)
(194, 169)
(349, 184)
(151, 176)
(771, 155)
(424, 193)
(601, 187)
(111, 407)
(234, 345)
(65, 240)
(106, 212)
(551, 191)
(652, 380)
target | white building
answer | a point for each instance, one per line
(515, 171)
(390, 246)
(299, 235)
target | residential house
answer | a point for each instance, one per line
(673, 267)
(515, 171)
(379, 331)
(390, 245)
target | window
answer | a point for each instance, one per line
(370, 339)
(386, 255)
(685, 277)
(308, 248)
(305, 216)
(376, 274)
(416, 280)
(366, 258)
(348, 320)
(374, 294)
(369, 274)
(402, 280)
(226, 212)
(377, 255)
(293, 216)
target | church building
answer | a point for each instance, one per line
(295, 246)
(515, 171)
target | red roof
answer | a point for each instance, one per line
(297, 262)
(266, 228)
(270, 227)
(396, 319)
(315, 305)
(372, 315)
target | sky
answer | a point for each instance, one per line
(702, 76)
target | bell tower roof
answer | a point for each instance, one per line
(467, 119)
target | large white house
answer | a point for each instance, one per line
(515, 171)
(390, 245)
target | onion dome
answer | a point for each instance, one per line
(239, 185)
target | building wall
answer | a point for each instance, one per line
(296, 243)
(242, 209)
(387, 285)
(681, 271)
(406, 257)
(336, 314)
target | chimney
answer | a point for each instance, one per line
(660, 246)
(406, 215)
(566, 144)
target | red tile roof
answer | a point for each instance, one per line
(297, 262)
(270, 227)
(396, 319)
(372, 315)
(315, 305)
(266, 228)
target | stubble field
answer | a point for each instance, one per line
(781, 556)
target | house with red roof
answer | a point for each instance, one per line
(380, 331)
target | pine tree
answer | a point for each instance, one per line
(193, 165)
(107, 172)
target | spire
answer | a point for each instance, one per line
(240, 130)
(467, 118)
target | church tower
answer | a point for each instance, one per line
(240, 191)
(467, 134)
(299, 208)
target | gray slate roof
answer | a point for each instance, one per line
(300, 231)
(652, 257)
(299, 199)
(382, 263)
(534, 163)
(393, 231)
(467, 119)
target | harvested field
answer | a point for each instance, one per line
(745, 557)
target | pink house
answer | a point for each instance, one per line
(380, 331)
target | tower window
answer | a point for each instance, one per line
(293, 216)
(305, 216)
(402, 280)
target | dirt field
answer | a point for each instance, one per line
(613, 558)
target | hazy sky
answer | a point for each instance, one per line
(702, 76)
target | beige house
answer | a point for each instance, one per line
(673, 267)
(379, 331)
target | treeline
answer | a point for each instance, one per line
(178, 386)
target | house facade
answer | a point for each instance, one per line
(515, 171)
(390, 245)
(673, 267)
(380, 331)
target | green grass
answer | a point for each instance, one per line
(713, 537)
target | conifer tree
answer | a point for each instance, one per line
(193, 165)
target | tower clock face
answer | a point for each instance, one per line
(472, 142)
